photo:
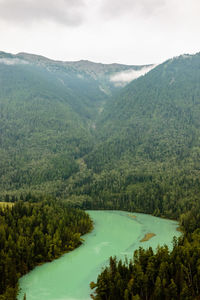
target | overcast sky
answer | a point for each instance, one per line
(123, 31)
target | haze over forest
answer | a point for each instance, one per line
(68, 131)
(71, 136)
(100, 110)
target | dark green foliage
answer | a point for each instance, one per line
(41, 135)
(31, 234)
(160, 275)
(48, 111)
(142, 153)
(147, 160)
(146, 157)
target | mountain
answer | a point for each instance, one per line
(146, 156)
(92, 79)
(71, 129)
(47, 116)
(156, 114)
(105, 78)
(80, 132)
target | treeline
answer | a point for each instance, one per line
(31, 234)
(161, 275)
(167, 192)
(161, 191)
(146, 156)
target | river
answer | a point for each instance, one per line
(115, 233)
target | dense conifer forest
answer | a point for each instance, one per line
(33, 233)
(66, 131)
(160, 275)
(138, 148)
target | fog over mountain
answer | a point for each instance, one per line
(124, 77)
(79, 134)
(99, 110)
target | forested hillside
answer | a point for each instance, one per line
(146, 156)
(141, 152)
(39, 129)
(48, 111)
(67, 130)
(31, 234)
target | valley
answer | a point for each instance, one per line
(83, 136)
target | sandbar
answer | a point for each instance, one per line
(147, 237)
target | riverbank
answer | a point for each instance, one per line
(69, 276)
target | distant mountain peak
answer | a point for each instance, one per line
(108, 76)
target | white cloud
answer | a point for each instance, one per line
(13, 61)
(125, 77)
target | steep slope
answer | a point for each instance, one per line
(47, 118)
(82, 93)
(41, 134)
(143, 154)
(156, 116)
(147, 155)
(87, 84)
(103, 78)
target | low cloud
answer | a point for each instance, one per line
(13, 61)
(68, 12)
(124, 77)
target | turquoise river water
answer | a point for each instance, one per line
(115, 233)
